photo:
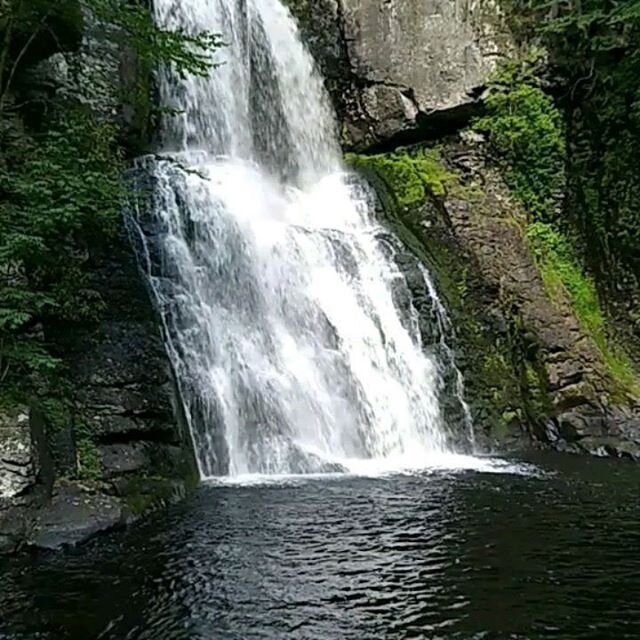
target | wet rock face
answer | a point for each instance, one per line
(65, 480)
(123, 394)
(397, 67)
(490, 228)
(109, 441)
(73, 516)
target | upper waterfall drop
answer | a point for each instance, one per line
(282, 303)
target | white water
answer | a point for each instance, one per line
(279, 299)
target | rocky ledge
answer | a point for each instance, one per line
(402, 70)
(109, 447)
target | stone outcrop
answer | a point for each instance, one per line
(490, 227)
(114, 445)
(26, 471)
(123, 386)
(19, 464)
(73, 516)
(403, 69)
(101, 76)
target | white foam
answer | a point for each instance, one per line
(437, 464)
(288, 323)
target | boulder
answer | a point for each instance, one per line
(73, 516)
(438, 51)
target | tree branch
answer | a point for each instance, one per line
(16, 62)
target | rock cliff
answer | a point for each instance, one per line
(107, 443)
(416, 73)
(110, 443)
(404, 70)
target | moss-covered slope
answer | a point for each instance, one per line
(528, 327)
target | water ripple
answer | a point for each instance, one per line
(465, 555)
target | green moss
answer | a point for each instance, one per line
(88, 462)
(527, 137)
(497, 371)
(408, 176)
(563, 275)
(57, 413)
(535, 383)
(526, 133)
(143, 493)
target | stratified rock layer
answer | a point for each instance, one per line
(107, 443)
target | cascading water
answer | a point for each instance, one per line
(280, 301)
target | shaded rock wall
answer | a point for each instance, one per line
(108, 442)
(123, 399)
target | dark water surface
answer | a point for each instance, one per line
(461, 554)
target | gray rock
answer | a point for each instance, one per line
(13, 522)
(430, 46)
(18, 455)
(73, 516)
(607, 446)
(393, 64)
(119, 459)
(390, 108)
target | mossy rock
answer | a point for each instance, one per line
(412, 187)
(144, 494)
(409, 176)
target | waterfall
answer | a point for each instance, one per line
(281, 303)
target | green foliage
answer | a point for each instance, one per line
(562, 274)
(408, 175)
(60, 197)
(89, 467)
(595, 46)
(527, 134)
(525, 130)
(61, 187)
(462, 285)
(131, 24)
(26, 25)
